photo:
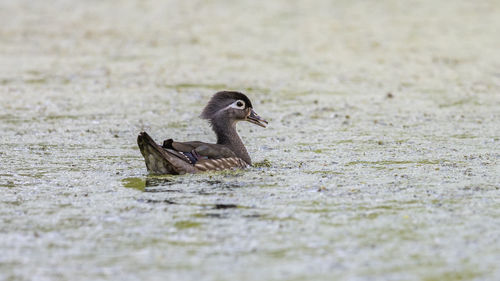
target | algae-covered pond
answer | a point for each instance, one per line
(381, 160)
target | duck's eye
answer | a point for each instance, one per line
(239, 104)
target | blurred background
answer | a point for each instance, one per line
(381, 161)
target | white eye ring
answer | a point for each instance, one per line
(239, 104)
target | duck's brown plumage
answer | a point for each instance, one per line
(223, 111)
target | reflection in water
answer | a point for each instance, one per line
(154, 201)
(136, 183)
(156, 184)
(143, 184)
(165, 184)
(152, 181)
(225, 206)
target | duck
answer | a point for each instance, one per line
(223, 111)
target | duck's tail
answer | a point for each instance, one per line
(159, 160)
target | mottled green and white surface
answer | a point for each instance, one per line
(354, 183)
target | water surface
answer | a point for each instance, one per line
(381, 161)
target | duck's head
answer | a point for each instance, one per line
(232, 106)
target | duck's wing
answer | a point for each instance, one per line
(203, 149)
(206, 156)
(160, 160)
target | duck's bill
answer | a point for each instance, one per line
(255, 118)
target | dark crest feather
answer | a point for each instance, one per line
(222, 99)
